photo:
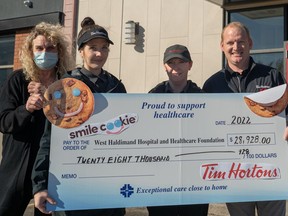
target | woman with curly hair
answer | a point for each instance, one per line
(45, 58)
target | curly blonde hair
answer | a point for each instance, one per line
(55, 34)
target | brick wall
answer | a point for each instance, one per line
(19, 40)
(70, 11)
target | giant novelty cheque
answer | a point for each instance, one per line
(134, 150)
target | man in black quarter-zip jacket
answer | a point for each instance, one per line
(242, 74)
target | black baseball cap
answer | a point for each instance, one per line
(177, 51)
(98, 32)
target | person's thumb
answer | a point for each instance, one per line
(51, 201)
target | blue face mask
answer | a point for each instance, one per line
(45, 60)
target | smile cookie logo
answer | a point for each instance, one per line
(111, 127)
(268, 103)
(69, 103)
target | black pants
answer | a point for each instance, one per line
(182, 210)
(96, 212)
(18, 210)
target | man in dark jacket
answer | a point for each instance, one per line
(177, 63)
(242, 74)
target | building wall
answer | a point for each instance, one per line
(194, 23)
(70, 11)
(20, 37)
(15, 9)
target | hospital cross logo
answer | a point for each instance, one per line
(127, 190)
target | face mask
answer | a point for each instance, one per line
(45, 60)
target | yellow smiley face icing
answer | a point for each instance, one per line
(69, 103)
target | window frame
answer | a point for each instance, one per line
(8, 66)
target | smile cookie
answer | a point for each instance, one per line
(268, 103)
(69, 103)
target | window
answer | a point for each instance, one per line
(6, 56)
(266, 27)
